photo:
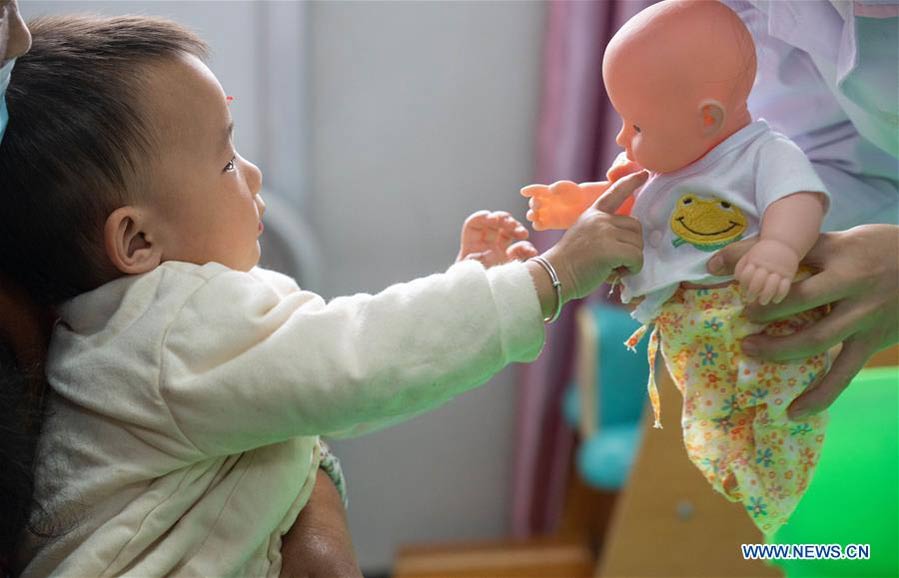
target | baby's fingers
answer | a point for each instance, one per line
(512, 227)
(475, 220)
(521, 251)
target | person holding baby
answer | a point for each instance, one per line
(187, 387)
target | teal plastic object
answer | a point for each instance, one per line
(604, 461)
(854, 495)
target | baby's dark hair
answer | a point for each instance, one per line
(72, 151)
(71, 155)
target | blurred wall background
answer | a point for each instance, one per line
(386, 124)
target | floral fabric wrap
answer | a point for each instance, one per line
(734, 420)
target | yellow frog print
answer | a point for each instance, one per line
(706, 223)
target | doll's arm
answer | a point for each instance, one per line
(790, 226)
(559, 205)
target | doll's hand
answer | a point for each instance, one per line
(494, 238)
(858, 275)
(318, 545)
(558, 206)
(766, 271)
(622, 167)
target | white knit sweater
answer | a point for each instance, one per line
(187, 404)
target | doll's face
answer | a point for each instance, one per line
(678, 73)
(660, 134)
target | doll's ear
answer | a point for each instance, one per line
(711, 114)
(129, 246)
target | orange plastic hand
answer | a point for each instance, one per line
(558, 206)
(622, 167)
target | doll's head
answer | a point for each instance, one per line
(679, 74)
(118, 156)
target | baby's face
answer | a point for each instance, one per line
(204, 197)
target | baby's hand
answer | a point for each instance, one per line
(494, 238)
(558, 206)
(767, 271)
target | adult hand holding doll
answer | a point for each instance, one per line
(858, 273)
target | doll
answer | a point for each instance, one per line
(679, 74)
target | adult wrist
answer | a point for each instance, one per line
(551, 300)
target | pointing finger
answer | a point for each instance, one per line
(620, 191)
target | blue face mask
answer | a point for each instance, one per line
(5, 72)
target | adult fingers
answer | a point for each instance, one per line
(823, 249)
(842, 322)
(725, 261)
(629, 256)
(849, 362)
(817, 290)
(627, 223)
(632, 238)
(620, 191)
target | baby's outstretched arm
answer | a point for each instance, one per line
(789, 228)
(494, 238)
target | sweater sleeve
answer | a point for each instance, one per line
(246, 365)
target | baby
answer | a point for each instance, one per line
(189, 386)
(679, 74)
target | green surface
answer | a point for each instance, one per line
(854, 495)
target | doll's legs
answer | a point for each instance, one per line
(751, 452)
(734, 416)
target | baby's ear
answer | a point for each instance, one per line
(711, 115)
(129, 246)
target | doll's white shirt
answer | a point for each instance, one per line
(742, 176)
(187, 404)
(828, 79)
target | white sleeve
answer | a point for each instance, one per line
(783, 169)
(243, 367)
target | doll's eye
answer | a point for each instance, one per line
(636, 128)
(688, 200)
(725, 205)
